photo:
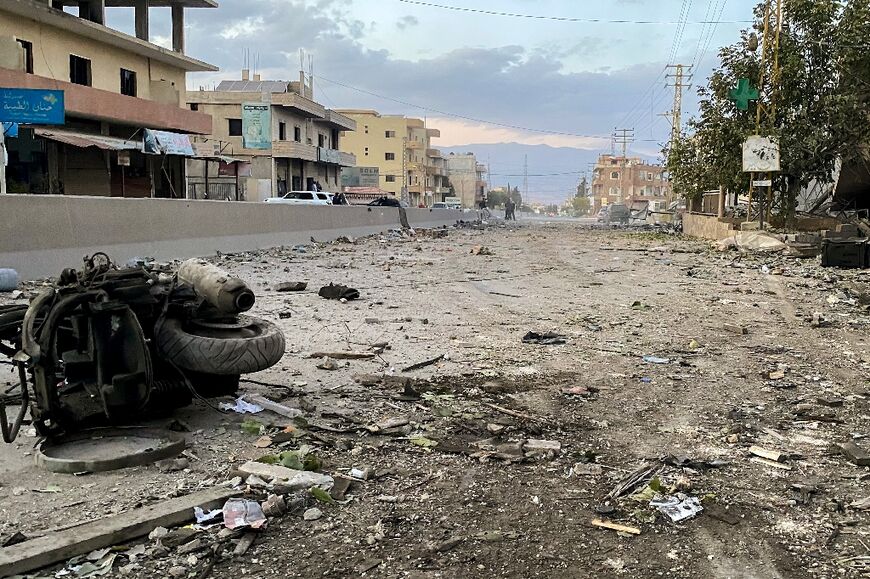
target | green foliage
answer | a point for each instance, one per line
(817, 105)
(581, 205)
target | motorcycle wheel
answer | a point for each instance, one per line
(241, 346)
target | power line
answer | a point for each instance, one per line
(556, 18)
(466, 117)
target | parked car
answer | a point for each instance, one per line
(386, 202)
(303, 198)
(602, 214)
(440, 205)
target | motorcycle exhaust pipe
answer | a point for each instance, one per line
(228, 294)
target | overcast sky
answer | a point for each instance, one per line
(568, 77)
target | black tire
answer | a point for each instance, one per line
(248, 345)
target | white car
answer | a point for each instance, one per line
(303, 198)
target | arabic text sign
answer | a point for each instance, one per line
(166, 143)
(34, 107)
(257, 125)
(761, 155)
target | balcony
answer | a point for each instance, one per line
(93, 103)
(338, 121)
(298, 103)
(333, 157)
(294, 150)
(434, 153)
(414, 145)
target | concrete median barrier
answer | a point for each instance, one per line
(42, 234)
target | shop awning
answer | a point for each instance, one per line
(85, 140)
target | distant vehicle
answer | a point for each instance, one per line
(439, 205)
(303, 198)
(618, 214)
(602, 214)
(453, 202)
(386, 202)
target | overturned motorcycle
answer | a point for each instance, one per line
(116, 345)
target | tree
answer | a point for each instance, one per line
(581, 205)
(813, 106)
(496, 199)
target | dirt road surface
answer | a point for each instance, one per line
(453, 492)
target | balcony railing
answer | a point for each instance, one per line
(294, 150)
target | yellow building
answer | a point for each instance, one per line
(400, 148)
(115, 87)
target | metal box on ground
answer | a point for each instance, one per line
(847, 253)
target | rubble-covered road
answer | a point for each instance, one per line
(713, 376)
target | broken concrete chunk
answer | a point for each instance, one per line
(296, 480)
(735, 329)
(542, 448)
(855, 454)
(773, 455)
(328, 363)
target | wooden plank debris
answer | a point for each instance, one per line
(770, 463)
(344, 355)
(106, 532)
(615, 527)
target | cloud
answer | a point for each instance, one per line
(243, 28)
(407, 22)
(511, 84)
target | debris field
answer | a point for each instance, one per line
(532, 400)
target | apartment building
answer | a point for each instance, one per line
(280, 138)
(400, 148)
(626, 180)
(468, 178)
(117, 89)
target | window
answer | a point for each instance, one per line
(367, 129)
(235, 127)
(390, 156)
(282, 131)
(614, 175)
(650, 176)
(367, 151)
(79, 70)
(390, 134)
(391, 178)
(128, 82)
(194, 106)
(28, 55)
(321, 140)
(297, 134)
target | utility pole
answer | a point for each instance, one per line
(404, 196)
(2, 159)
(624, 137)
(681, 77)
(526, 179)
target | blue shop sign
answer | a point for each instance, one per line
(31, 106)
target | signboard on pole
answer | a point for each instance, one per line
(257, 125)
(32, 107)
(761, 155)
(166, 143)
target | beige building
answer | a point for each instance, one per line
(400, 147)
(467, 177)
(300, 146)
(116, 87)
(625, 180)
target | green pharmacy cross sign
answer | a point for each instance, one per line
(744, 93)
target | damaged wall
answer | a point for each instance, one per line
(43, 234)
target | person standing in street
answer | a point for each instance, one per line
(509, 209)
